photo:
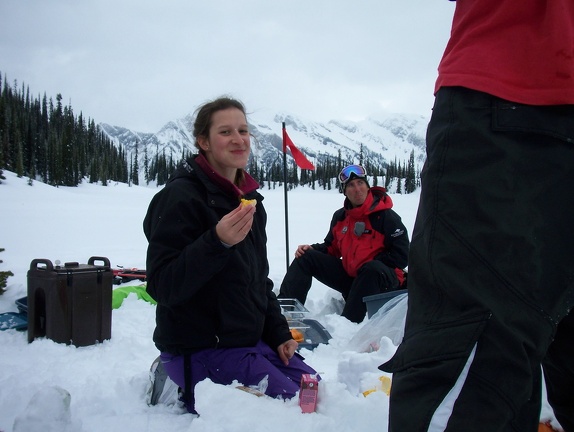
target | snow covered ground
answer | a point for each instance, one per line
(107, 382)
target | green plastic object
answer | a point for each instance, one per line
(119, 294)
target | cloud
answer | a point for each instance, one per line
(142, 63)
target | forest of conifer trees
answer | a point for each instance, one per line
(44, 140)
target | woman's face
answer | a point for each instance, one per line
(228, 146)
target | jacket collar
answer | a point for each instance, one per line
(377, 200)
(199, 162)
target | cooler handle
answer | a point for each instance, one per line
(47, 262)
(105, 260)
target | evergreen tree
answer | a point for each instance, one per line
(135, 168)
(410, 181)
(4, 275)
(146, 166)
(19, 154)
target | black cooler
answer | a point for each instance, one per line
(70, 304)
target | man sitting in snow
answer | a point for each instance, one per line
(364, 252)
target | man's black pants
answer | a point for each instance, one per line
(373, 278)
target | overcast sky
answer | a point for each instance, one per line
(141, 63)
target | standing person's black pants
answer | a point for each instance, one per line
(373, 278)
(491, 270)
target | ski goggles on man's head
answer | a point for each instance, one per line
(350, 172)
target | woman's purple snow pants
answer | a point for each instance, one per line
(247, 365)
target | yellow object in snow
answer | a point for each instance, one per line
(385, 386)
(297, 335)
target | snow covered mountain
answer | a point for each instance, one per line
(384, 138)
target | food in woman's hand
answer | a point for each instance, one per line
(246, 202)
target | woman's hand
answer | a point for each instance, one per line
(286, 350)
(235, 225)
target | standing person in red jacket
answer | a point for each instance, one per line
(491, 274)
(364, 252)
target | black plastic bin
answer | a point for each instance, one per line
(72, 303)
(22, 305)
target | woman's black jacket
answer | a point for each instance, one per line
(207, 295)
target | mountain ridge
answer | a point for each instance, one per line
(383, 138)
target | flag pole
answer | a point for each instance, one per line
(300, 161)
(286, 203)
